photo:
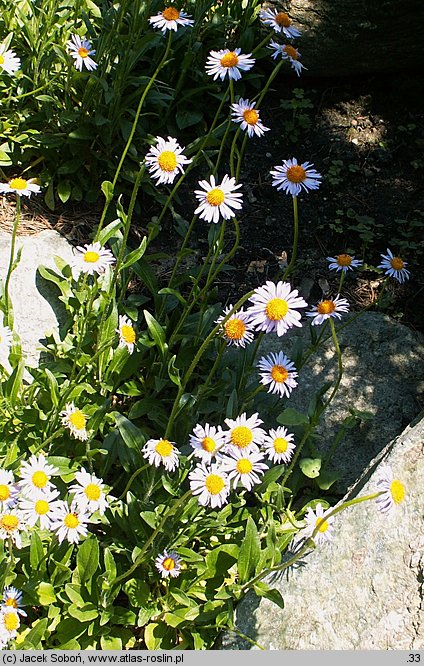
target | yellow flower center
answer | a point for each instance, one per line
(18, 184)
(291, 52)
(235, 329)
(229, 59)
(171, 14)
(91, 257)
(326, 307)
(296, 174)
(4, 492)
(1, 60)
(214, 484)
(168, 564)
(41, 507)
(208, 444)
(251, 116)
(82, 52)
(397, 490)
(40, 479)
(215, 197)
(128, 334)
(241, 436)
(78, 420)
(344, 259)
(71, 521)
(283, 19)
(167, 160)
(396, 263)
(92, 492)
(11, 603)
(279, 373)
(280, 445)
(164, 448)
(11, 621)
(323, 525)
(276, 309)
(244, 466)
(9, 522)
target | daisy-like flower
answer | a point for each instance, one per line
(12, 598)
(292, 177)
(207, 442)
(80, 50)
(244, 112)
(394, 266)
(92, 258)
(161, 452)
(9, 623)
(127, 336)
(11, 525)
(245, 432)
(278, 445)
(36, 475)
(89, 495)
(328, 308)
(211, 484)
(218, 200)
(170, 18)
(313, 519)
(8, 490)
(166, 160)
(245, 467)
(274, 307)
(69, 522)
(9, 62)
(279, 21)
(279, 372)
(168, 564)
(287, 52)
(40, 510)
(236, 330)
(20, 186)
(74, 419)
(223, 62)
(343, 262)
(393, 491)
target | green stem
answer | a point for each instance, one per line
(132, 478)
(339, 363)
(16, 221)
(295, 240)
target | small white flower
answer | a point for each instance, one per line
(328, 308)
(245, 467)
(89, 493)
(36, 475)
(279, 21)
(278, 445)
(69, 522)
(211, 484)
(170, 18)
(393, 491)
(274, 308)
(291, 177)
(223, 62)
(74, 419)
(20, 186)
(168, 564)
(312, 521)
(207, 442)
(244, 112)
(394, 266)
(218, 200)
(245, 432)
(236, 330)
(40, 510)
(166, 160)
(8, 490)
(92, 259)
(11, 525)
(287, 52)
(279, 372)
(80, 50)
(161, 452)
(9, 62)
(343, 262)
(127, 336)
(9, 624)
(12, 598)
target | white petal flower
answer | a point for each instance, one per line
(161, 452)
(127, 336)
(12, 523)
(244, 467)
(287, 52)
(279, 21)
(278, 445)
(36, 475)
(292, 177)
(89, 495)
(244, 112)
(20, 186)
(80, 50)
(393, 491)
(9, 62)
(166, 160)
(343, 262)
(211, 484)
(245, 432)
(274, 307)
(218, 200)
(170, 18)
(92, 258)
(279, 372)
(223, 62)
(40, 510)
(313, 519)
(208, 442)
(12, 598)
(69, 522)
(328, 308)
(236, 330)
(168, 564)
(74, 419)
(8, 489)
(9, 624)
(394, 266)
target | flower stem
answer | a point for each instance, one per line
(295, 240)
(16, 221)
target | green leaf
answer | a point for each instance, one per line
(173, 292)
(46, 594)
(185, 118)
(84, 613)
(36, 551)
(138, 592)
(310, 467)
(262, 590)
(156, 331)
(173, 372)
(110, 643)
(133, 439)
(154, 634)
(64, 189)
(135, 255)
(249, 551)
(109, 231)
(327, 478)
(88, 559)
(13, 384)
(73, 593)
(35, 636)
(49, 196)
(270, 476)
(180, 615)
(291, 416)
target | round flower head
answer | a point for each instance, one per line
(328, 308)
(69, 522)
(287, 52)
(244, 467)
(394, 266)
(169, 19)
(9, 623)
(211, 484)
(393, 491)
(278, 445)
(313, 519)
(80, 50)
(161, 452)
(279, 372)
(279, 21)
(207, 442)
(245, 433)
(36, 474)
(168, 564)
(92, 259)
(236, 330)
(221, 63)
(127, 336)
(74, 419)
(9, 62)
(292, 177)
(20, 186)
(89, 493)
(166, 160)
(343, 262)
(8, 490)
(218, 200)
(40, 510)
(274, 308)
(11, 525)
(12, 598)
(244, 112)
